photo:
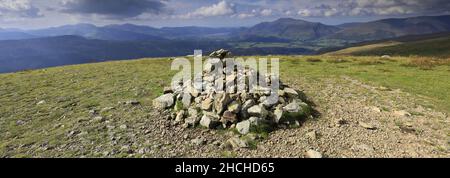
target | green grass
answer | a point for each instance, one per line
(393, 73)
(70, 92)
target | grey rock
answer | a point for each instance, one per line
(313, 154)
(207, 104)
(198, 141)
(229, 117)
(243, 127)
(236, 142)
(367, 125)
(164, 101)
(258, 111)
(187, 99)
(208, 122)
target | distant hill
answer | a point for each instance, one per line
(390, 28)
(64, 50)
(435, 46)
(93, 32)
(288, 29)
(36, 53)
(14, 35)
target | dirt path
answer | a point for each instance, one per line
(346, 107)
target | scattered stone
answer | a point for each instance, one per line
(313, 154)
(385, 57)
(312, 135)
(236, 142)
(99, 119)
(257, 111)
(198, 141)
(164, 101)
(41, 102)
(207, 104)
(376, 109)
(20, 122)
(229, 117)
(207, 122)
(290, 92)
(180, 116)
(367, 125)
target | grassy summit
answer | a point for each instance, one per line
(49, 112)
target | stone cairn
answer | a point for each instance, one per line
(243, 110)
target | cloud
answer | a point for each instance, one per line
(266, 12)
(219, 9)
(18, 8)
(114, 8)
(373, 7)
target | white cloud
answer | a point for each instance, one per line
(18, 8)
(219, 9)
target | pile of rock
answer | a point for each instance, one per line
(235, 107)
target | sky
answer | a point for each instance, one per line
(33, 14)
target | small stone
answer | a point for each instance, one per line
(313, 154)
(20, 122)
(243, 127)
(236, 142)
(207, 122)
(198, 141)
(290, 92)
(376, 109)
(164, 101)
(367, 125)
(258, 111)
(207, 104)
(180, 116)
(402, 113)
(132, 102)
(229, 117)
(99, 119)
(41, 102)
(312, 135)
(123, 127)
(221, 101)
(292, 108)
(278, 114)
(234, 107)
(187, 99)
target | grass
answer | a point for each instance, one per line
(70, 92)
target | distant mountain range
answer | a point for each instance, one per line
(82, 43)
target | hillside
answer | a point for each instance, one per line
(288, 29)
(87, 111)
(390, 28)
(433, 47)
